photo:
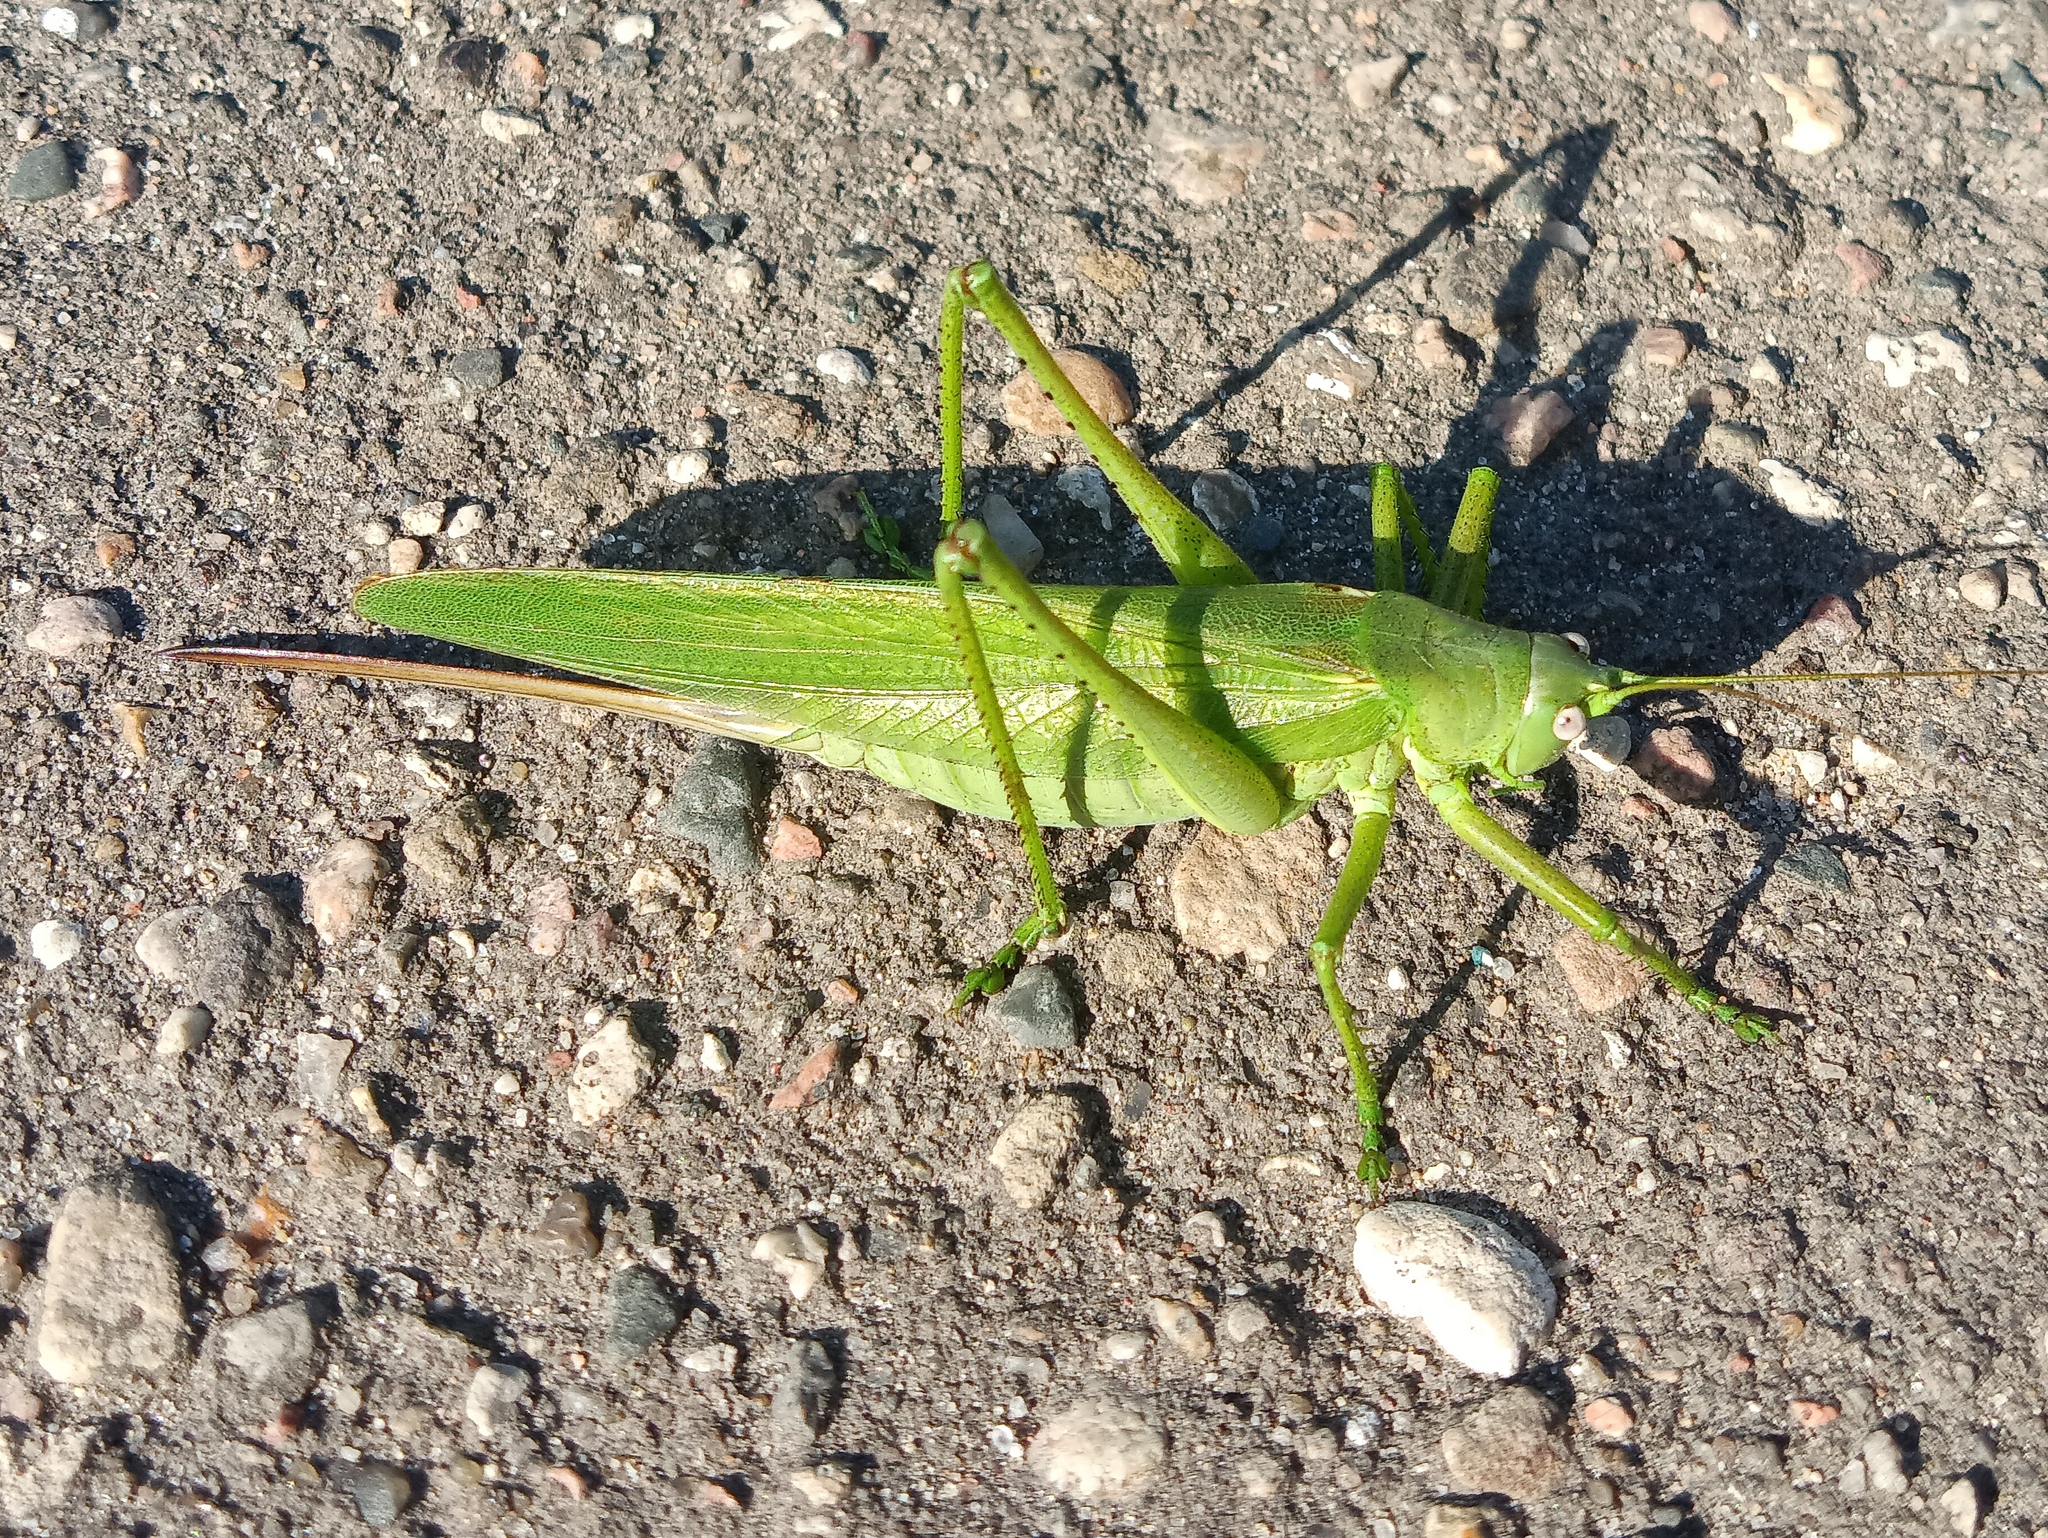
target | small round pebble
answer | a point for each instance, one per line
(68, 626)
(1939, 293)
(688, 468)
(382, 1492)
(565, 1227)
(1664, 346)
(78, 22)
(183, 1029)
(1983, 588)
(634, 27)
(639, 1312)
(846, 367)
(45, 172)
(1097, 1448)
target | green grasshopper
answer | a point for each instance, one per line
(1220, 698)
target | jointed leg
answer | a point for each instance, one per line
(1393, 514)
(1049, 916)
(1373, 812)
(1219, 779)
(1454, 803)
(1195, 555)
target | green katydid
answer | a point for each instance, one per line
(1220, 698)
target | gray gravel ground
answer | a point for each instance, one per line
(338, 301)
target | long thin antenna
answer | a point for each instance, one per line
(1730, 683)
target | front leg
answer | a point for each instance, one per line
(1452, 798)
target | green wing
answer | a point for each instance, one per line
(863, 675)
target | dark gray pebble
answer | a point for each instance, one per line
(478, 370)
(804, 1399)
(717, 804)
(1035, 1011)
(2019, 80)
(1264, 534)
(467, 61)
(382, 1492)
(1816, 865)
(43, 173)
(1939, 292)
(639, 1312)
(721, 229)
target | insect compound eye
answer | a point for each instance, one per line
(1569, 724)
(1580, 644)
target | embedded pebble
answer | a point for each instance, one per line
(1183, 1328)
(797, 1253)
(1982, 588)
(1243, 1320)
(1225, 499)
(1867, 268)
(271, 1349)
(1800, 495)
(1013, 536)
(78, 22)
(1676, 761)
(1963, 1502)
(507, 127)
(791, 840)
(826, 1484)
(54, 942)
(1938, 294)
(491, 1404)
(1604, 745)
(802, 1404)
(688, 468)
(612, 1069)
(1732, 443)
(1035, 1011)
(183, 1029)
(69, 626)
(1038, 1149)
(45, 172)
(1884, 1464)
(1816, 865)
(1664, 346)
(446, 845)
(716, 804)
(813, 1077)
(1509, 1445)
(1905, 359)
(1248, 897)
(1896, 226)
(639, 1310)
(844, 366)
(714, 1056)
(565, 1228)
(1713, 20)
(1601, 977)
(1472, 1287)
(1029, 409)
(341, 888)
(1822, 118)
(1449, 1521)
(634, 27)
(479, 370)
(1516, 35)
(1608, 1417)
(1207, 164)
(1831, 622)
(1868, 759)
(1097, 1448)
(1089, 487)
(1125, 1346)
(1369, 85)
(382, 1492)
(1528, 422)
(335, 1157)
(321, 1059)
(1436, 346)
(112, 1308)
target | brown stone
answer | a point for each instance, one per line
(1600, 976)
(1674, 760)
(1663, 346)
(809, 1081)
(1327, 224)
(1508, 1446)
(791, 840)
(1866, 267)
(1030, 410)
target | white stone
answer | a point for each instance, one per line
(1905, 359)
(1822, 118)
(112, 1306)
(321, 1059)
(1243, 1320)
(68, 626)
(635, 27)
(1370, 84)
(496, 1391)
(507, 127)
(1883, 1465)
(184, 1029)
(1604, 745)
(1097, 1449)
(798, 20)
(1476, 1291)
(1248, 897)
(469, 520)
(1125, 1345)
(1963, 1504)
(797, 1253)
(1088, 486)
(828, 1484)
(1812, 766)
(844, 366)
(341, 887)
(273, 1346)
(55, 942)
(612, 1069)
(1800, 495)
(718, 1359)
(689, 467)
(1038, 1147)
(422, 519)
(1013, 536)
(1867, 758)
(32, 1488)
(714, 1056)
